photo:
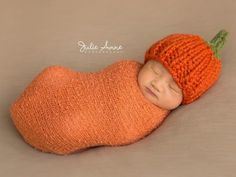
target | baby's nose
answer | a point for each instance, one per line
(157, 85)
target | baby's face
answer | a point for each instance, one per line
(158, 86)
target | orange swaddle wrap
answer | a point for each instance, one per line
(63, 111)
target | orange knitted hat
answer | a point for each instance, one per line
(193, 62)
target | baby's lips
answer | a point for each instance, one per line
(149, 90)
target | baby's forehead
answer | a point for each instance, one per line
(158, 64)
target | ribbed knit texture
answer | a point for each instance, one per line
(192, 61)
(63, 111)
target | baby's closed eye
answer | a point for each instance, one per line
(174, 88)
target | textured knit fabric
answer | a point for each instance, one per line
(63, 111)
(193, 62)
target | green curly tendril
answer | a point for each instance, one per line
(218, 42)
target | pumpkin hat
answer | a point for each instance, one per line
(193, 62)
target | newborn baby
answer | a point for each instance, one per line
(63, 111)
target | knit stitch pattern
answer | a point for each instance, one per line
(63, 111)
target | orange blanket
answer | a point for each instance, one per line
(63, 111)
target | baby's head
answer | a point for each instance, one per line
(158, 86)
(179, 68)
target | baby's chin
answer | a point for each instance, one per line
(151, 97)
(157, 102)
(165, 107)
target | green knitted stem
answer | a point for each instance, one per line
(218, 42)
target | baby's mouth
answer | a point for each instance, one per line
(149, 91)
